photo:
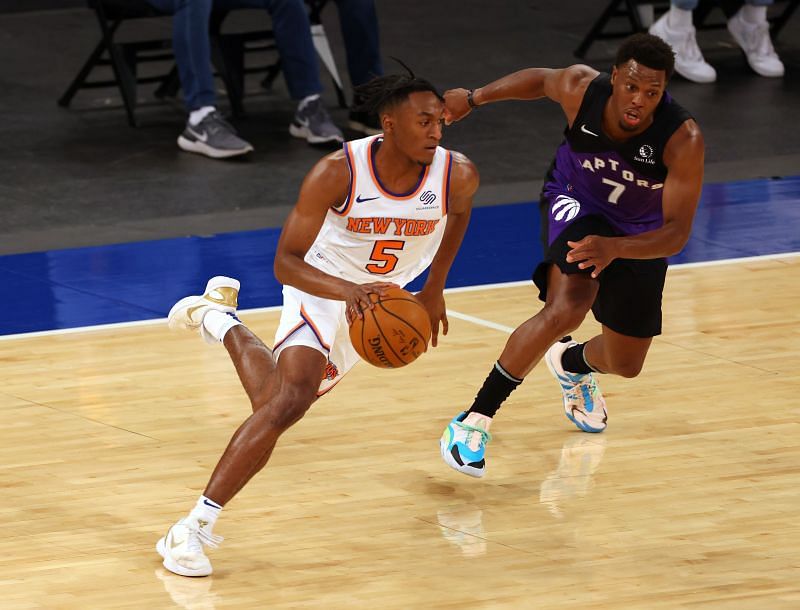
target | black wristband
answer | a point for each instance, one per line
(470, 100)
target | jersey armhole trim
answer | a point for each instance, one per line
(348, 202)
(446, 183)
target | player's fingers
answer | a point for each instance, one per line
(435, 335)
(445, 324)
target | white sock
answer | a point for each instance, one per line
(198, 115)
(306, 100)
(206, 510)
(754, 14)
(217, 323)
(679, 19)
(477, 420)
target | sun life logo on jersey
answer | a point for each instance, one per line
(565, 208)
(645, 155)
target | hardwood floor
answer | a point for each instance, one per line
(689, 500)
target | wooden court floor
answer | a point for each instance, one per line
(689, 500)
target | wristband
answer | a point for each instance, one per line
(470, 99)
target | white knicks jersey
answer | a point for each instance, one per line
(377, 235)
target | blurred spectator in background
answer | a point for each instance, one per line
(207, 132)
(749, 28)
(359, 24)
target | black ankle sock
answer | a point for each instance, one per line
(498, 385)
(573, 361)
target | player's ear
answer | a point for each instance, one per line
(613, 75)
(387, 122)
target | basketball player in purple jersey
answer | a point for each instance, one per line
(619, 197)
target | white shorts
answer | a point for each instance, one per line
(320, 324)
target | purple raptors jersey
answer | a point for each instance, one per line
(621, 181)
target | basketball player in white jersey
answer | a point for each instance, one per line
(368, 217)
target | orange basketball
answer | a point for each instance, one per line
(394, 333)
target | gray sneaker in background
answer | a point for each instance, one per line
(312, 122)
(213, 137)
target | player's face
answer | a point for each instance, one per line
(416, 126)
(637, 90)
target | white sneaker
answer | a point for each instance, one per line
(182, 547)
(757, 45)
(689, 62)
(584, 404)
(221, 294)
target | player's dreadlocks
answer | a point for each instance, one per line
(383, 92)
(649, 51)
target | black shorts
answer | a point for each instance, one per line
(629, 299)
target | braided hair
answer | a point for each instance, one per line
(384, 92)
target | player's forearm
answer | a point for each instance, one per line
(446, 254)
(659, 243)
(294, 271)
(526, 84)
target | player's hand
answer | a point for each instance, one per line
(433, 300)
(592, 251)
(357, 298)
(455, 106)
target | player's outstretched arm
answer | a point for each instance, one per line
(324, 186)
(464, 180)
(565, 86)
(684, 157)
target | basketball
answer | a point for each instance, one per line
(394, 333)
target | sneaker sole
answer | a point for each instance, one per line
(175, 567)
(306, 134)
(583, 427)
(468, 470)
(215, 153)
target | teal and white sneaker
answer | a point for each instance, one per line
(463, 446)
(584, 404)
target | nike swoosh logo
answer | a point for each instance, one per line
(361, 199)
(211, 504)
(203, 137)
(171, 540)
(591, 133)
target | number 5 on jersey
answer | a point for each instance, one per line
(383, 260)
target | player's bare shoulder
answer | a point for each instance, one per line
(685, 144)
(329, 179)
(464, 181)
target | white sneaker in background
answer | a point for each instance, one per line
(689, 62)
(757, 45)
